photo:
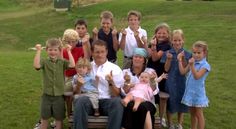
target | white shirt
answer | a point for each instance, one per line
(103, 70)
(130, 41)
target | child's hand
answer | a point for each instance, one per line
(80, 80)
(153, 42)
(136, 33)
(114, 31)
(164, 76)
(191, 61)
(123, 31)
(180, 56)
(95, 31)
(68, 47)
(38, 47)
(169, 55)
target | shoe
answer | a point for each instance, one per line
(37, 125)
(171, 127)
(70, 119)
(163, 122)
(179, 126)
(53, 124)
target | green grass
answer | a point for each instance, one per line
(22, 27)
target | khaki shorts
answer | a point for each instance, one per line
(68, 89)
(52, 106)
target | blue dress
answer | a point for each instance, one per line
(195, 93)
(175, 83)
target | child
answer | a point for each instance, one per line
(175, 84)
(195, 94)
(84, 38)
(70, 37)
(84, 84)
(107, 34)
(132, 37)
(52, 101)
(142, 91)
(159, 44)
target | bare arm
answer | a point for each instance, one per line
(113, 89)
(196, 74)
(71, 59)
(115, 40)
(168, 61)
(123, 39)
(95, 33)
(37, 56)
(86, 47)
(183, 69)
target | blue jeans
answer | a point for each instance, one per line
(108, 107)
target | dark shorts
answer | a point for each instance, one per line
(52, 106)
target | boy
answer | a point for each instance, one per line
(132, 37)
(107, 34)
(84, 38)
(52, 101)
(86, 85)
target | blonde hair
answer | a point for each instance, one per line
(135, 13)
(53, 42)
(107, 15)
(163, 25)
(70, 34)
(83, 62)
(177, 32)
(201, 44)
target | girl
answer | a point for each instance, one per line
(159, 44)
(175, 84)
(195, 95)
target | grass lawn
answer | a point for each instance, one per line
(23, 26)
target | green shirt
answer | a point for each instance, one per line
(53, 76)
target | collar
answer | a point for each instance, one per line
(200, 61)
(172, 50)
(131, 31)
(50, 59)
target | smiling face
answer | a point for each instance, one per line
(144, 77)
(82, 70)
(138, 61)
(177, 41)
(106, 24)
(53, 52)
(198, 53)
(99, 54)
(133, 22)
(162, 35)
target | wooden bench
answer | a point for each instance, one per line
(101, 122)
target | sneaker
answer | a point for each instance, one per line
(37, 125)
(70, 119)
(171, 127)
(53, 124)
(179, 126)
(163, 122)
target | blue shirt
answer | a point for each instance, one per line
(195, 93)
(88, 85)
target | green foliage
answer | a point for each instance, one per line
(22, 27)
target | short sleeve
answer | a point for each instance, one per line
(207, 67)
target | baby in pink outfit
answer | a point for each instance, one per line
(142, 91)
